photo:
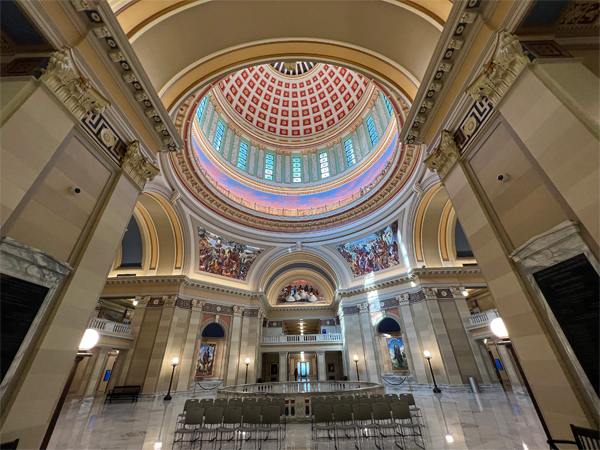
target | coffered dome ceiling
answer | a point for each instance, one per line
(293, 153)
(288, 109)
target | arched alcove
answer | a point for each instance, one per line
(213, 330)
(388, 325)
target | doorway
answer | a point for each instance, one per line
(303, 370)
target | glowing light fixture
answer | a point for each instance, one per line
(449, 438)
(176, 360)
(135, 303)
(465, 293)
(498, 328)
(413, 284)
(89, 340)
(247, 360)
(427, 353)
(157, 445)
(355, 357)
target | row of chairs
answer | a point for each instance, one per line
(215, 422)
(376, 398)
(364, 420)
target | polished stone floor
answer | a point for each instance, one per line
(487, 421)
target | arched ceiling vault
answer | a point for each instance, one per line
(392, 41)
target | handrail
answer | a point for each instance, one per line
(109, 326)
(303, 338)
(304, 387)
(484, 317)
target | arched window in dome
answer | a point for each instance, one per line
(242, 155)
(372, 131)
(324, 165)
(219, 136)
(201, 108)
(269, 165)
(388, 105)
(296, 169)
(349, 152)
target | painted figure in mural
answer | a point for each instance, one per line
(373, 253)
(397, 354)
(205, 360)
(223, 257)
(300, 291)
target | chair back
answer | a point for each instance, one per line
(342, 413)
(270, 414)
(586, 438)
(400, 411)
(377, 396)
(361, 411)
(323, 413)
(190, 403)
(409, 398)
(381, 411)
(387, 400)
(214, 415)
(251, 415)
(232, 414)
(193, 416)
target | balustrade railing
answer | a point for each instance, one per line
(303, 338)
(304, 387)
(484, 318)
(108, 326)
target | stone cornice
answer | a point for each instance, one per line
(137, 166)
(462, 26)
(111, 43)
(443, 158)
(407, 277)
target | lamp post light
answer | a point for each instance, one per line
(175, 362)
(436, 389)
(356, 361)
(247, 361)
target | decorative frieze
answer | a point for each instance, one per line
(443, 157)
(508, 62)
(138, 166)
(66, 82)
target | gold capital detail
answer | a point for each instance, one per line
(137, 165)
(75, 91)
(443, 157)
(508, 62)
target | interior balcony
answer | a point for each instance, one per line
(482, 319)
(109, 329)
(295, 339)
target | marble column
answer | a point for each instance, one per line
(96, 372)
(321, 369)
(341, 161)
(363, 139)
(418, 368)
(288, 168)
(252, 160)
(278, 169)
(260, 167)
(283, 366)
(377, 122)
(332, 160)
(368, 344)
(305, 170)
(227, 144)
(383, 114)
(234, 347)
(511, 370)
(248, 346)
(188, 360)
(213, 128)
(207, 118)
(235, 149)
(315, 167)
(357, 150)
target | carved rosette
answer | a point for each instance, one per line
(138, 166)
(66, 82)
(443, 158)
(497, 77)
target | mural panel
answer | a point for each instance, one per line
(372, 253)
(397, 354)
(206, 360)
(300, 291)
(221, 256)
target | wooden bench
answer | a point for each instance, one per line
(123, 392)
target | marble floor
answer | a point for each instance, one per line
(487, 421)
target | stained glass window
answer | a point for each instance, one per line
(324, 165)
(242, 155)
(296, 169)
(201, 108)
(349, 152)
(372, 131)
(219, 136)
(269, 165)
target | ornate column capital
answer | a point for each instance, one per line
(279, 151)
(138, 166)
(197, 305)
(508, 62)
(338, 141)
(238, 310)
(66, 82)
(363, 307)
(430, 293)
(403, 299)
(169, 300)
(142, 301)
(443, 157)
(457, 292)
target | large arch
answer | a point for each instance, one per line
(388, 41)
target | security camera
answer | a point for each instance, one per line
(503, 177)
(75, 190)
